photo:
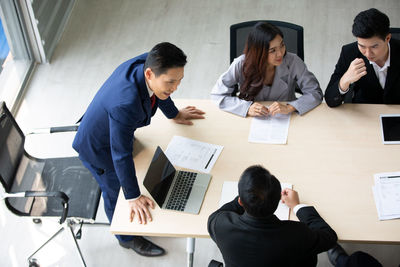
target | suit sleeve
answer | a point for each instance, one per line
(168, 107)
(322, 237)
(122, 128)
(232, 206)
(333, 97)
(309, 86)
(222, 90)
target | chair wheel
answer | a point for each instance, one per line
(33, 263)
(37, 221)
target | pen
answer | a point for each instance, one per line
(212, 155)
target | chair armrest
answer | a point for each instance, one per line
(59, 129)
(57, 194)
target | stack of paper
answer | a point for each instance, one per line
(192, 154)
(230, 191)
(387, 195)
(270, 129)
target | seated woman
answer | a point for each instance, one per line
(266, 72)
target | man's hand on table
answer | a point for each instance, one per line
(139, 207)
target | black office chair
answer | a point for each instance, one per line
(45, 187)
(214, 263)
(395, 33)
(293, 36)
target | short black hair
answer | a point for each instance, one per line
(164, 56)
(259, 191)
(370, 23)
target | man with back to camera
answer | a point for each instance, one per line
(127, 101)
(368, 71)
(248, 233)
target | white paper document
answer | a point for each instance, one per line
(387, 195)
(270, 129)
(230, 191)
(192, 154)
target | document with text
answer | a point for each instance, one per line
(386, 192)
(230, 191)
(270, 129)
(191, 154)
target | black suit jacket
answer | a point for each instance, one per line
(367, 89)
(248, 241)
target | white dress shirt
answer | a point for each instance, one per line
(381, 73)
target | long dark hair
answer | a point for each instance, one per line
(256, 59)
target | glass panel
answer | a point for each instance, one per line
(4, 48)
(15, 57)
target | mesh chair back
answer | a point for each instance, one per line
(20, 172)
(395, 33)
(12, 142)
(67, 175)
(293, 36)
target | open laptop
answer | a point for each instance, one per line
(172, 189)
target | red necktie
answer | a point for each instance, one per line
(153, 100)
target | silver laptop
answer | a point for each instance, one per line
(172, 189)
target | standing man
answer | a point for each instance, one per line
(249, 234)
(127, 101)
(368, 71)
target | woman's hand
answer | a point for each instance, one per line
(257, 110)
(278, 108)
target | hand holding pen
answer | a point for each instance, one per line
(290, 197)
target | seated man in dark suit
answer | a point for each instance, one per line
(249, 234)
(368, 71)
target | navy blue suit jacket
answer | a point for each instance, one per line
(106, 133)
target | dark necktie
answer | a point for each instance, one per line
(153, 100)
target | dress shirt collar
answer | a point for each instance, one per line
(148, 89)
(381, 73)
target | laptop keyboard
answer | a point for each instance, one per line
(181, 191)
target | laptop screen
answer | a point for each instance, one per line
(159, 176)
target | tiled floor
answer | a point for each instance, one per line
(100, 35)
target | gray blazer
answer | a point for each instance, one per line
(292, 71)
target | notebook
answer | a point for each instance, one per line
(175, 190)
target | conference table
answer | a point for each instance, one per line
(330, 158)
